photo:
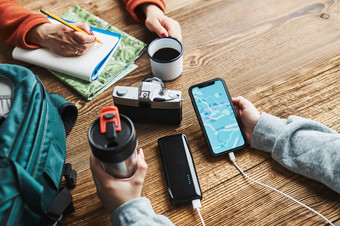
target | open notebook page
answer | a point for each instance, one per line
(86, 67)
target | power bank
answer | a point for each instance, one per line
(179, 169)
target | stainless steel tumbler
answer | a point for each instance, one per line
(113, 141)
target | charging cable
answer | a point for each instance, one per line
(233, 160)
(196, 204)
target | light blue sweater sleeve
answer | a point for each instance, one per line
(301, 145)
(138, 212)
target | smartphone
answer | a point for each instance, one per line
(179, 169)
(217, 117)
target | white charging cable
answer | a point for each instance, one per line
(196, 204)
(233, 160)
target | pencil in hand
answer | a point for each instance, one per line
(66, 23)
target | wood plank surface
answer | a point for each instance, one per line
(284, 56)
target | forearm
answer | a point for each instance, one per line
(16, 22)
(138, 211)
(304, 146)
(135, 11)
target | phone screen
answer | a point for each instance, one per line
(217, 118)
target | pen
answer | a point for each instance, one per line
(65, 23)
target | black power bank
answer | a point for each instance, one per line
(179, 169)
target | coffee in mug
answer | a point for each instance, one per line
(165, 54)
(166, 58)
(113, 141)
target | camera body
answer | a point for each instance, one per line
(149, 102)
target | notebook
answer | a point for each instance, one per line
(120, 64)
(86, 67)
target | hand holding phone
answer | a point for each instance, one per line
(248, 115)
(217, 117)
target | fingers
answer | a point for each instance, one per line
(241, 102)
(165, 27)
(83, 42)
(97, 168)
(81, 47)
(113, 191)
(156, 27)
(84, 38)
(74, 43)
(142, 165)
(97, 174)
(141, 168)
(61, 39)
(84, 27)
(173, 28)
(235, 100)
(238, 107)
(162, 25)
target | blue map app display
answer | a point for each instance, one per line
(218, 117)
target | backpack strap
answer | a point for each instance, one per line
(67, 111)
(70, 176)
(2, 119)
(63, 202)
(61, 205)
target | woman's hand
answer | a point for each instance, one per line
(61, 39)
(113, 191)
(162, 25)
(248, 114)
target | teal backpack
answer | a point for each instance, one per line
(33, 152)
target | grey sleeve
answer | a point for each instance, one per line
(301, 145)
(138, 212)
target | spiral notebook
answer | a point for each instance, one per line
(86, 67)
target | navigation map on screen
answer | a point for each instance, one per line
(218, 117)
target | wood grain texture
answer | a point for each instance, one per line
(281, 55)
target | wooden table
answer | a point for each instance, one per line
(281, 55)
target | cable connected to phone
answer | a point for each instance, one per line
(196, 204)
(233, 160)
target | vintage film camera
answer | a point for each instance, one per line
(149, 102)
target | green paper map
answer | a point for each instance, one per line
(120, 64)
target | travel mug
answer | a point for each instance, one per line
(113, 141)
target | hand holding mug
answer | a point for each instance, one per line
(114, 192)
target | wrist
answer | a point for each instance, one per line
(252, 128)
(266, 131)
(37, 34)
(150, 9)
(139, 207)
